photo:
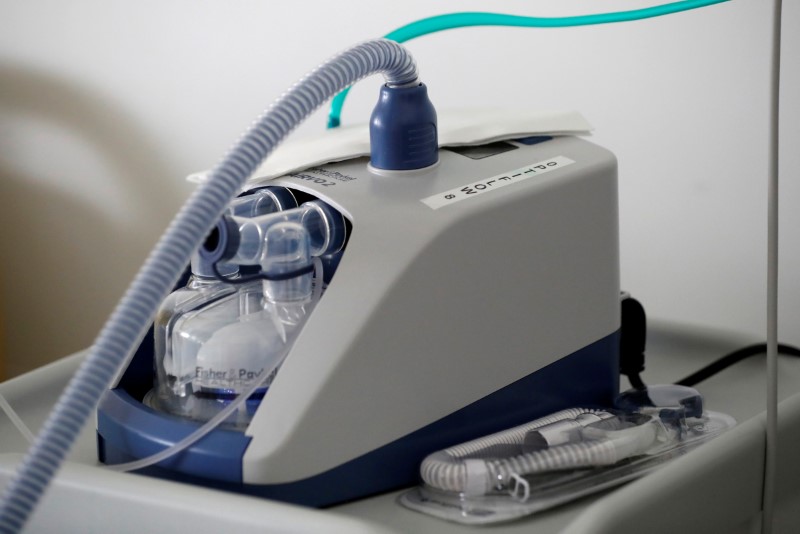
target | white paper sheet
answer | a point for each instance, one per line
(456, 128)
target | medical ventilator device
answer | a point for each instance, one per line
(471, 295)
(339, 324)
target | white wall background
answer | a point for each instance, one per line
(105, 105)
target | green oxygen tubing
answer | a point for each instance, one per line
(451, 21)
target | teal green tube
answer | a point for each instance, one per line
(451, 21)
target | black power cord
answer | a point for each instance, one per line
(633, 337)
(732, 358)
(632, 340)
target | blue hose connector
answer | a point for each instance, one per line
(403, 130)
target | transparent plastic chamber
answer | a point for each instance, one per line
(252, 286)
(563, 456)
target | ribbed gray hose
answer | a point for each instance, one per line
(130, 320)
(567, 456)
(448, 469)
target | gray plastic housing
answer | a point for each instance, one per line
(440, 301)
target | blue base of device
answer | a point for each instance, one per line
(129, 430)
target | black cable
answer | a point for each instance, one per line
(633, 338)
(636, 381)
(732, 358)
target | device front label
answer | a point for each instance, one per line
(322, 177)
(495, 182)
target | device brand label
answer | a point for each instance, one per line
(495, 182)
(322, 177)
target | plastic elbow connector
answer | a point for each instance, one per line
(263, 201)
(288, 251)
(403, 129)
(242, 240)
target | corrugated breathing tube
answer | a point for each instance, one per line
(132, 316)
(468, 468)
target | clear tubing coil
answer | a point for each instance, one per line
(450, 469)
